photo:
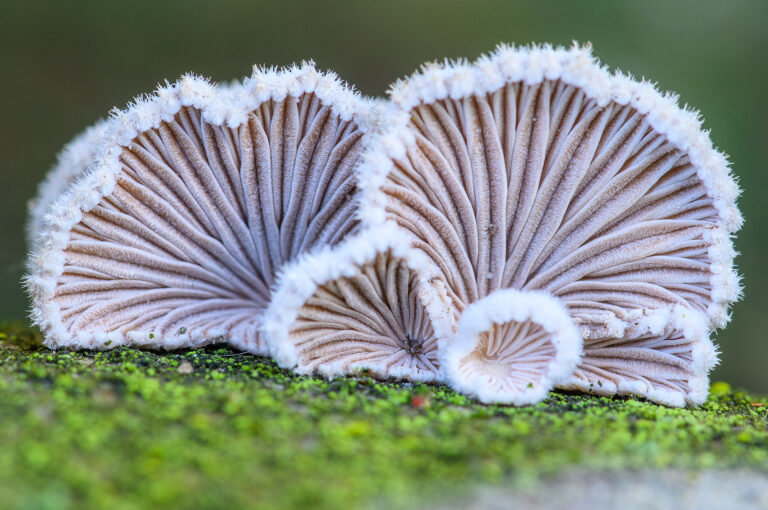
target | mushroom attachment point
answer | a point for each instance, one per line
(513, 347)
(198, 195)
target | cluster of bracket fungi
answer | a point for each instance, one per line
(525, 222)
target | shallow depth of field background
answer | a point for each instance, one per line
(64, 65)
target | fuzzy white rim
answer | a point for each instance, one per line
(300, 280)
(73, 161)
(575, 66)
(506, 305)
(693, 325)
(220, 106)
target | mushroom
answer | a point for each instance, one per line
(371, 303)
(198, 196)
(512, 213)
(535, 169)
(670, 346)
(72, 162)
(512, 348)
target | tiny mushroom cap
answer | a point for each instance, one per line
(197, 196)
(512, 348)
(370, 303)
(536, 169)
(74, 160)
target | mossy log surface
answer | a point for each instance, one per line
(214, 428)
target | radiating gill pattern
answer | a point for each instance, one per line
(666, 360)
(529, 189)
(374, 320)
(202, 217)
(511, 357)
(512, 347)
(538, 187)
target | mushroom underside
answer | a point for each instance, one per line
(513, 347)
(375, 320)
(184, 249)
(540, 187)
(665, 357)
(526, 222)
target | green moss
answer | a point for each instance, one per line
(215, 428)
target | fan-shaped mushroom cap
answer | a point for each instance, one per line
(72, 162)
(199, 195)
(536, 169)
(664, 355)
(369, 303)
(512, 348)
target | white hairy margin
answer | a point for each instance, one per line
(73, 160)
(220, 106)
(300, 279)
(578, 67)
(513, 305)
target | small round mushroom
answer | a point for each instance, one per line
(536, 169)
(513, 347)
(198, 196)
(368, 304)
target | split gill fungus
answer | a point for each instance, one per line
(525, 222)
(198, 196)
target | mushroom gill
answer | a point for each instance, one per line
(368, 304)
(535, 169)
(662, 354)
(512, 348)
(198, 198)
(513, 213)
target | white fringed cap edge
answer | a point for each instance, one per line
(73, 160)
(503, 306)
(301, 279)
(692, 324)
(578, 67)
(220, 105)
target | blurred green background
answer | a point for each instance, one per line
(65, 64)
